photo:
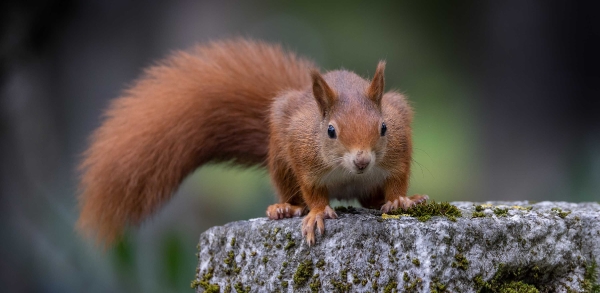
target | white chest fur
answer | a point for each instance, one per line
(344, 184)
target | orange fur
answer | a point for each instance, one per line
(249, 103)
(206, 105)
(308, 167)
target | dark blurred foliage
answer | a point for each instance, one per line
(506, 94)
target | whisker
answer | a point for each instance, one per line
(421, 150)
(421, 166)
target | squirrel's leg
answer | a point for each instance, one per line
(288, 193)
(318, 202)
(395, 195)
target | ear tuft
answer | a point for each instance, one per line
(323, 94)
(375, 90)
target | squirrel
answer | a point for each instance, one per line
(250, 103)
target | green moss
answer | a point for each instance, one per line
(510, 280)
(341, 286)
(320, 263)
(253, 253)
(265, 260)
(461, 262)
(437, 287)
(377, 274)
(355, 279)
(479, 208)
(412, 286)
(590, 283)
(208, 274)
(284, 264)
(278, 245)
(501, 212)
(195, 283)
(230, 258)
(424, 218)
(563, 214)
(371, 260)
(416, 262)
(239, 288)
(390, 286)
(290, 245)
(406, 278)
(560, 212)
(208, 288)
(424, 212)
(205, 284)
(364, 282)
(227, 288)
(344, 274)
(232, 242)
(478, 215)
(479, 282)
(315, 284)
(303, 272)
(284, 284)
(276, 230)
(517, 287)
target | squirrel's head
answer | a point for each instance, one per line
(353, 131)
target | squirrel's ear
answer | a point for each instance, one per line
(323, 93)
(375, 91)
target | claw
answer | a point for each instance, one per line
(404, 202)
(417, 199)
(314, 221)
(330, 213)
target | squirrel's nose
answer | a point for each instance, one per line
(362, 162)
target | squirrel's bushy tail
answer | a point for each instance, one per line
(209, 104)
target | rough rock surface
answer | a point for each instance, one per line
(546, 246)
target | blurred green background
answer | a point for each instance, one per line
(506, 98)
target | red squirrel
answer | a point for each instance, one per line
(321, 136)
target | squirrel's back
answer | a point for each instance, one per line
(209, 104)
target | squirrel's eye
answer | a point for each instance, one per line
(383, 129)
(331, 131)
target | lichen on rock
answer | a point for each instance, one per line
(489, 247)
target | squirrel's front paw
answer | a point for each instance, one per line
(283, 210)
(404, 202)
(316, 217)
